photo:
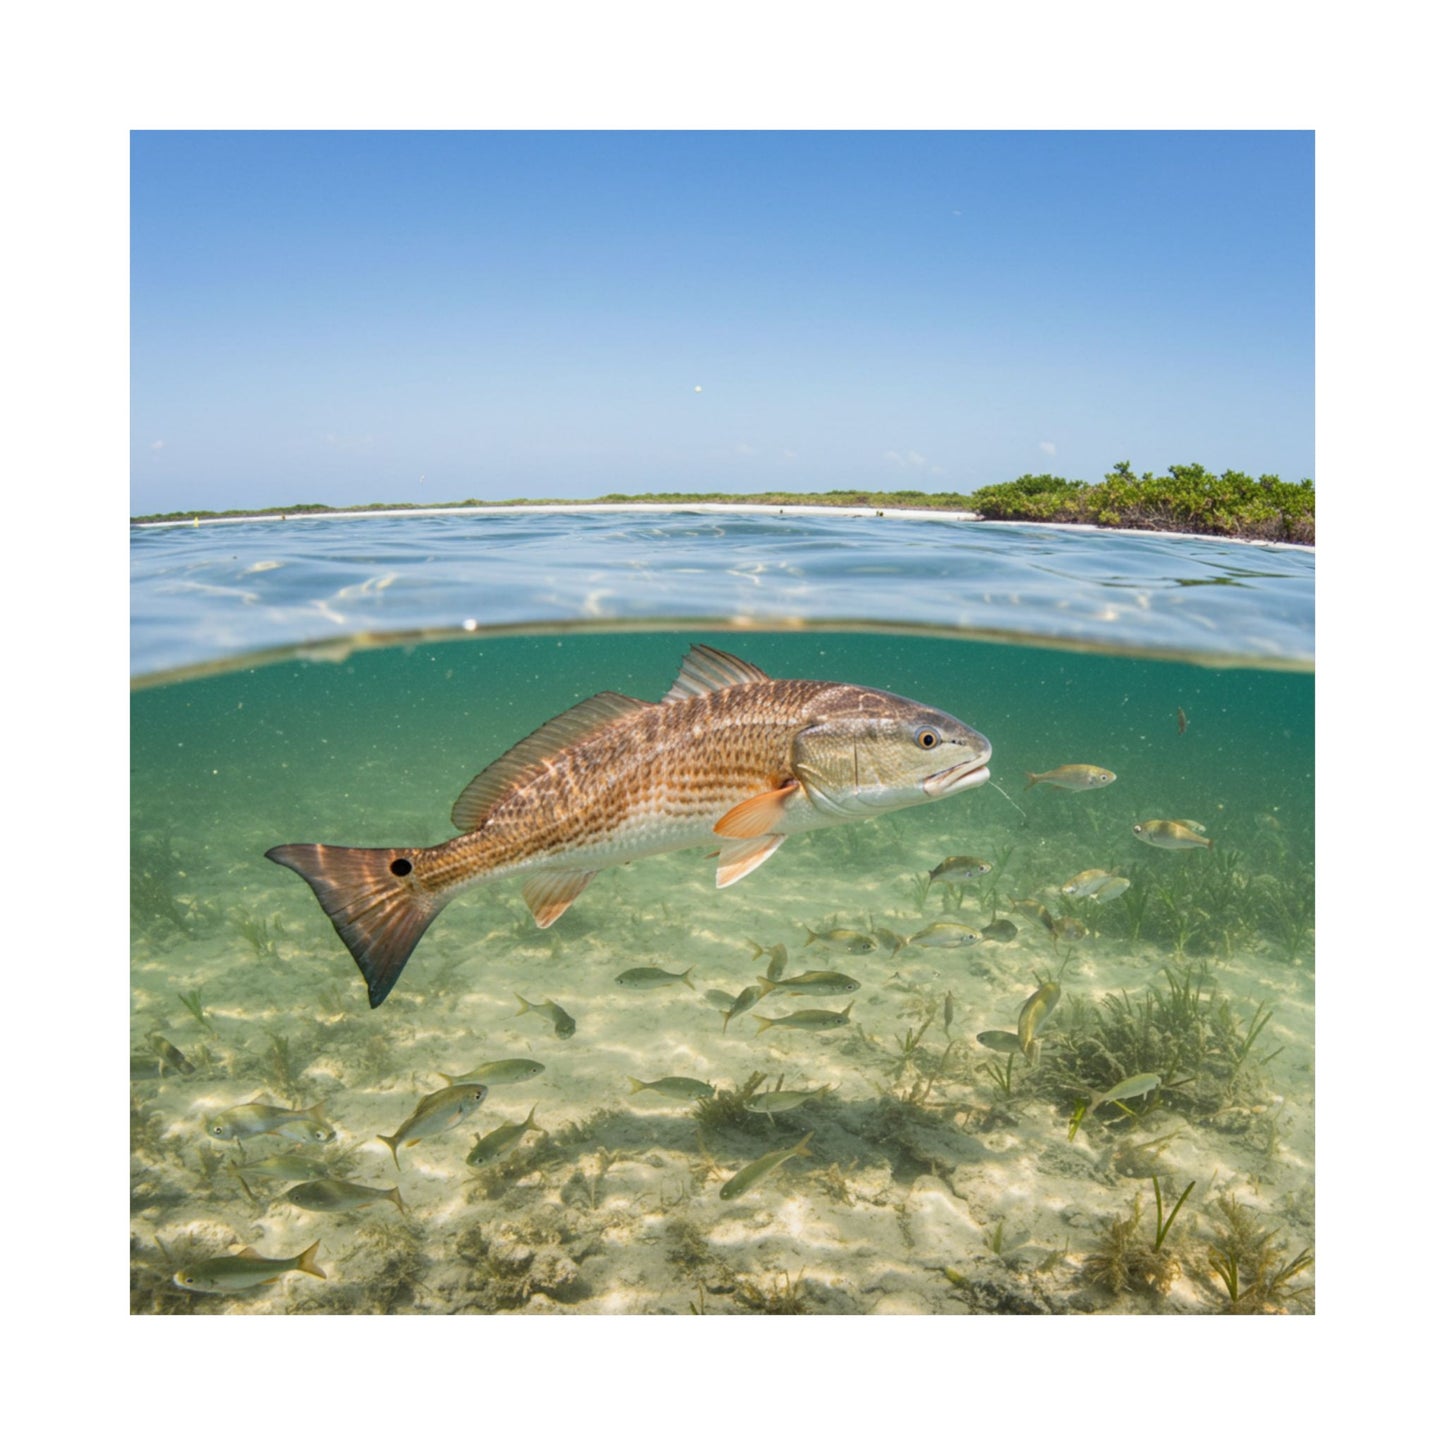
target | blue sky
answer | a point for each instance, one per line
(429, 316)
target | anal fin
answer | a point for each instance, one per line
(550, 895)
(757, 815)
(737, 858)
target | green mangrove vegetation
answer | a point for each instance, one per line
(1186, 499)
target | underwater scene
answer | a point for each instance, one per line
(1040, 1043)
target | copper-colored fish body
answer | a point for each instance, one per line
(728, 756)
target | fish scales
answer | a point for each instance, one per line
(729, 757)
(653, 782)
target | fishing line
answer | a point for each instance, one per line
(1010, 801)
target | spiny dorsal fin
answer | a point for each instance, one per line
(707, 669)
(525, 758)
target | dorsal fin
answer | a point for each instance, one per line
(707, 669)
(527, 757)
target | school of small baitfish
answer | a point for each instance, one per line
(313, 1189)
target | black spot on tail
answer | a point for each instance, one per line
(373, 901)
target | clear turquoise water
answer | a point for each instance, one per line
(245, 737)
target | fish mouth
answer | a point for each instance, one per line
(957, 779)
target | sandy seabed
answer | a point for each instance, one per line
(927, 1189)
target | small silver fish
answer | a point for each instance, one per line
(294, 1166)
(233, 1273)
(1114, 888)
(436, 1113)
(1001, 930)
(814, 1020)
(1087, 883)
(1001, 1040)
(674, 1086)
(338, 1196)
(846, 940)
(780, 1101)
(492, 1147)
(1037, 1007)
(653, 978)
(745, 1000)
(817, 981)
(247, 1120)
(168, 1056)
(1034, 909)
(1129, 1088)
(886, 938)
(945, 934)
(563, 1024)
(499, 1071)
(1170, 833)
(1073, 777)
(777, 957)
(1068, 928)
(750, 1174)
(961, 867)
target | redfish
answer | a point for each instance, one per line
(729, 756)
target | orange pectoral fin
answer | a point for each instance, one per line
(757, 815)
(738, 858)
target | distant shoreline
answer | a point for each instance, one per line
(470, 509)
(1190, 502)
(905, 503)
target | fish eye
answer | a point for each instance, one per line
(926, 737)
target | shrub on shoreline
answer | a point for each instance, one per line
(1187, 499)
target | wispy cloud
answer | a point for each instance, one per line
(906, 459)
(913, 461)
(157, 446)
(1048, 447)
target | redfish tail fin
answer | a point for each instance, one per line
(372, 899)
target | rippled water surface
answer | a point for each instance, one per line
(208, 592)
